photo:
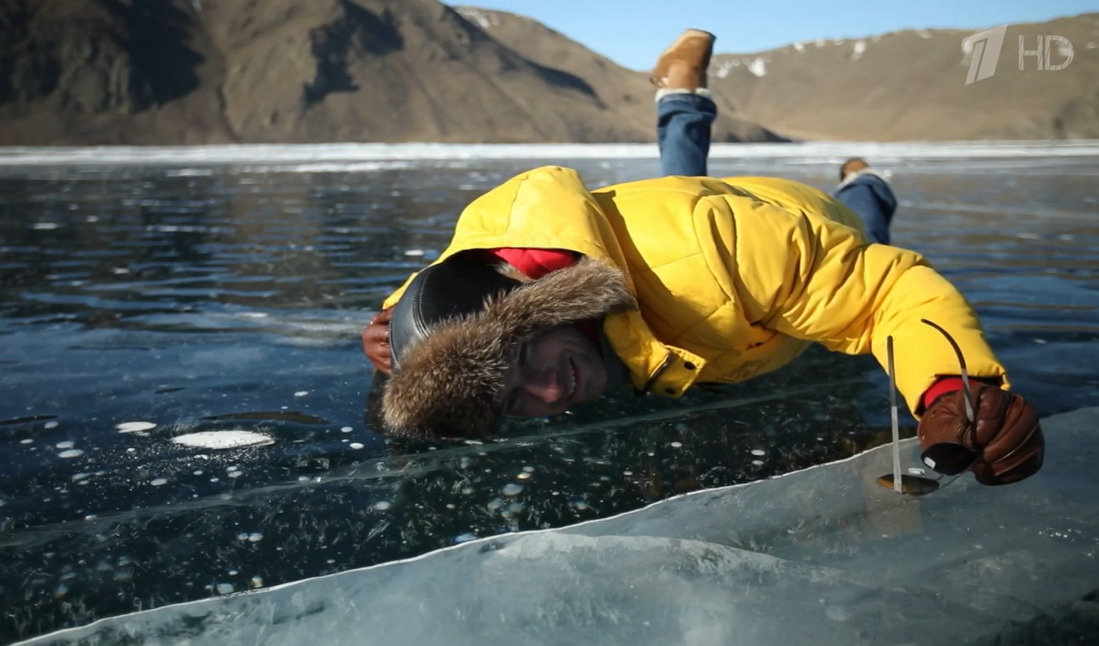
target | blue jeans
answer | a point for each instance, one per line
(683, 133)
(870, 197)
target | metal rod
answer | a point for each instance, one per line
(897, 479)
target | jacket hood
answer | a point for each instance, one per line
(450, 381)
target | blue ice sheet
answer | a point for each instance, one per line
(821, 556)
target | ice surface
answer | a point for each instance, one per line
(314, 158)
(821, 556)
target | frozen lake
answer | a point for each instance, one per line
(184, 395)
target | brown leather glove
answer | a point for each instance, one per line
(376, 341)
(1005, 439)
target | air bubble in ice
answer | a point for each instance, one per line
(134, 427)
(228, 439)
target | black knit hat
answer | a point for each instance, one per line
(450, 290)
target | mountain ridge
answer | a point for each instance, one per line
(851, 90)
(168, 72)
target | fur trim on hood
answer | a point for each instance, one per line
(450, 383)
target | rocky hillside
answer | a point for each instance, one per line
(217, 71)
(204, 71)
(629, 92)
(911, 85)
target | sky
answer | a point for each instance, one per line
(632, 32)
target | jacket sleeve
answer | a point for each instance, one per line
(803, 275)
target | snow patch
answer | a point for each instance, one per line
(858, 49)
(758, 67)
(724, 67)
(479, 18)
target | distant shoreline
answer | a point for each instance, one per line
(290, 154)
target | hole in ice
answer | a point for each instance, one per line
(232, 439)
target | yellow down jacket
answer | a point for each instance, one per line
(734, 276)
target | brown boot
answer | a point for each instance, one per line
(852, 165)
(683, 65)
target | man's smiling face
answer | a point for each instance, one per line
(552, 372)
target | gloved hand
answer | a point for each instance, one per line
(376, 341)
(1005, 437)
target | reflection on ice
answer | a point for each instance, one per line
(821, 556)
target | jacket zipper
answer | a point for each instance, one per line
(656, 373)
